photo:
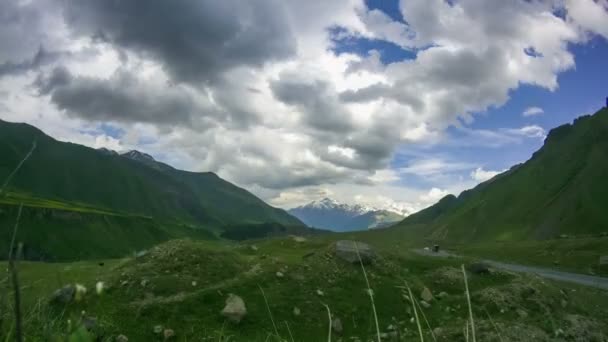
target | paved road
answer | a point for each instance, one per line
(594, 281)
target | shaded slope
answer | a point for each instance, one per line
(74, 173)
(560, 190)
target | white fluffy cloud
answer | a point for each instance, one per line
(262, 99)
(532, 111)
(481, 175)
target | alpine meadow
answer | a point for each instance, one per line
(282, 171)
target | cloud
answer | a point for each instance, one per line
(590, 15)
(195, 41)
(434, 195)
(533, 111)
(532, 131)
(429, 167)
(481, 175)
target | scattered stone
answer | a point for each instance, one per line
(426, 295)
(280, 275)
(99, 287)
(296, 311)
(564, 303)
(299, 239)
(158, 329)
(194, 283)
(235, 309)
(336, 325)
(124, 283)
(254, 248)
(347, 251)
(144, 282)
(89, 322)
(442, 295)
(522, 313)
(438, 332)
(479, 268)
(122, 338)
(168, 334)
(320, 293)
(81, 291)
(390, 327)
(425, 304)
(63, 295)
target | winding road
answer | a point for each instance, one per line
(582, 279)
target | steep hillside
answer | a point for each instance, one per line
(561, 190)
(133, 183)
(333, 215)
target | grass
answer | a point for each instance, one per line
(169, 298)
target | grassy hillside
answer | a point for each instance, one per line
(74, 173)
(559, 191)
(182, 285)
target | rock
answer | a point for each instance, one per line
(280, 275)
(522, 313)
(63, 295)
(235, 309)
(89, 322)
(80, 292)
(299, 239)
(296, 311)
(194, 283)
(320, 293)
(438, 332)
(158, 329)
(442, 295)
(347, 251)
(564, 303)
(122, 338)
(426, 295)
(479, 268)
(425, 304)
(168, 333)
(144, 282)
(336, 325)
(254, 248)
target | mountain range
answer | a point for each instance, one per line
(333, 215)
(102, 184)
(560, 191)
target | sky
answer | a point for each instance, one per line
(386, 103)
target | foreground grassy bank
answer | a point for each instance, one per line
(182, 285)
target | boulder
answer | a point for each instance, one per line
(296, 311)
(235, 309)
(426, 295)
(479, 268)
(336, 325)
(64, 295)
(347, 251)
(168, 334)
(122, 338)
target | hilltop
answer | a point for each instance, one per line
(559, 192)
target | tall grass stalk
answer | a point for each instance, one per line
(426, 321)
(494, 325)
(412, 300)
(14, 275)
(370, 292)
(466, 286)
(330, 322)
(276, 331)
(10, 176)
(289, 331)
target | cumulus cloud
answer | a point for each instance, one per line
(434, 195)
(481, 175)
(532, 111)
(255, 92)
(194, 40)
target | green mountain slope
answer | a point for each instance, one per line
(560, 190)
(74, 173)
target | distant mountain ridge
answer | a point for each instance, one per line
(131, 183)
(560, 191)
(333, 215)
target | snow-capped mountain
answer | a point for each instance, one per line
(333, 215)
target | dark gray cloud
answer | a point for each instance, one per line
(317, 102)
(195, 40)
(125, 98)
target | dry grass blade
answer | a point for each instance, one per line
(370, 292)
(412, 300)
(289, 331)
(426, 321)
(15, 279)
(494, 325)
(10, 176)
(276, 331)
(329, 317)
(466, 286)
